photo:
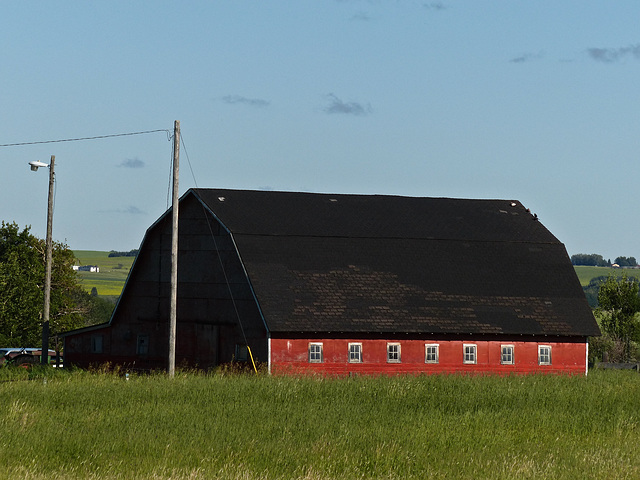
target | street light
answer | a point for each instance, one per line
(36, 165)
(44, 359)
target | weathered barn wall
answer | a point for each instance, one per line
(291, 355)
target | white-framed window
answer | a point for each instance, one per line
(506, 354)
(96, 344)
(315, 352)
(470, 353)
(431, 353)
(355, 353)
(544, 354)
(393, 353)
(142, 345)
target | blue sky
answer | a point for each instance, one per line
(535, 101)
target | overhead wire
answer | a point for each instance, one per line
(97, 137)
(170, 183)
(215, 243)
(55, 194)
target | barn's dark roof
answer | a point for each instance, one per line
(389, 264)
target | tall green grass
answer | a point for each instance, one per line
(102, 426)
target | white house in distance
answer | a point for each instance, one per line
(87, 268)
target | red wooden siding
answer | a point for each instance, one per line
(292, 356)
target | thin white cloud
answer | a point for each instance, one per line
(612, 55)
(337, 106)
(360, 17)
(438, 6)
(130, 210)
(526, 57)
(240, 100)
(133, 210)
(132, 163)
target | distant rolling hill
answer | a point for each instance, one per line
(586, 273)
(112, 276)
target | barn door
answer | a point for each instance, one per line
(197, 344)
(207, 345)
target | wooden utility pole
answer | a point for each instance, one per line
(44, 358)
(174, 251)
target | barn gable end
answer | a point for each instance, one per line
(211, 300)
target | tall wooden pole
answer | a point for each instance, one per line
(174, 251)
(44, 357)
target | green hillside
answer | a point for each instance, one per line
(112, 275)
(585, 274)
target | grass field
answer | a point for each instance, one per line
(585, 274)
(101, 426)
(113, 272)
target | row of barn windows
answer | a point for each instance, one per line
(431, 353)
(142, 344)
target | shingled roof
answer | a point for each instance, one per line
(390, 264)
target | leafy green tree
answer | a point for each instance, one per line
(95, 309)
(592, 289)
(626, 262)
(22, 271)
(619, 303)
(593, 260)
(99, 311)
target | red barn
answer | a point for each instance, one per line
(349, 284)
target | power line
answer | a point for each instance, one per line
(184, 147)
(217, 249)
(88, 138)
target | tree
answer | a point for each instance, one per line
(592, 289)
(626, 262)
(130, 253)
(593, 260)
(22, 271)
(618, 304)
(95, 309)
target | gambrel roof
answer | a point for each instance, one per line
(392, 264)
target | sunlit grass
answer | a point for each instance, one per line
(81, 425)
(586, 273)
